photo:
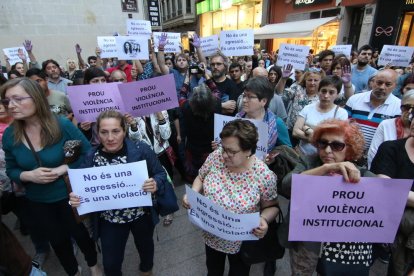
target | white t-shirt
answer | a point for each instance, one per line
(313, 117)
(386, 131)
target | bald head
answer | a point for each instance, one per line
(118, 76)
(260, 72)
(389, 73)
(384, 83)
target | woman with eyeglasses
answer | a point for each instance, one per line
(33, 146)
(235, 179)
(299, 96)
(311, 115)
(395, 159)
(338, 144)
(393, 129)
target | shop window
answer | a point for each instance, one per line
(407, 30)
(332, 12)
(180, 7)
(314, 15)
(188, 6)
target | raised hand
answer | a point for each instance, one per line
(78, 49)
(346, 74)
(28, 45)
(287, 71)
(196, 41)
(162, 41)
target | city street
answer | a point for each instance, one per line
(179, 251)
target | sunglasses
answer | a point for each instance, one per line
(406, 107)
(335, 145)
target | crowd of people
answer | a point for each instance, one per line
(341, 115)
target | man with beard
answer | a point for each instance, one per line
(54, 80)
(362, 71)
(227, 87)
(370, 108)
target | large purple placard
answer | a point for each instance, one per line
(149, 96)
(327, 209)
(88, 101)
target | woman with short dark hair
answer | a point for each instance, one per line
(236, 180)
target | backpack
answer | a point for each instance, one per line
(285, 161)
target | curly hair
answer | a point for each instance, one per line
(353, 137)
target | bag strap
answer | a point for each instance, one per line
(36, 156)
(336, 110)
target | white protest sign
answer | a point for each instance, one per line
(262, 128)
(218, 221)
(107, 45)
(173, 42)
(396, 55)
(293, 54)
(13, 54)
(110, 187)
(237, 43)
(131, 48)
(6, 76)
(342, 49)
(139, 28)
(209, 45)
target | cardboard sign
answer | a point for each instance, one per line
(237, 43)
(293, 54)
(110, 187)
(107, 45)
(13, 55)
(216, 220)
(131, 48)
(221, 120)
(138, 98)
(342, 49)
(148, 96)
(173, 42)
(327, 209)
(140, 28)
(209, 45)
(396, 55)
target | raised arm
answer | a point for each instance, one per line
(197, 44)
(154, 61)
(346, 78)
(286, 73)
(29, 47)
(81, 62)
(160, 56)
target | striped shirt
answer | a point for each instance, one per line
(368, 117)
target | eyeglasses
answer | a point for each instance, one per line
(248, 97)
(230, 153)
(335, 145)
(216, 64)
(15, 101)
(406, 107)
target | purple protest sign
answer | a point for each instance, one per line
(327, 209)
(88, 101)
(148, 96)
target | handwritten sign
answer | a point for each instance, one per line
(13, 54)
(173, 42)
(221, 120)
(342, 49)
(237, 43)
(216, 220)
(209, 45)
(110, 187)
(326, 209)
(131, 47)
(148, 96)
(293, 54)
(139, 28)
(88, 101)
(396, 55)
(107, 45)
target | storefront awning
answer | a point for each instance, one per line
(300, 28)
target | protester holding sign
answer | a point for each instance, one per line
(236, 180)
(338, 143)
(113, 226)
(33, 146)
